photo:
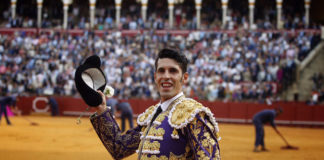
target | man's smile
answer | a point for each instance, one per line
(166, 85)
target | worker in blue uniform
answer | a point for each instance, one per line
(126, 113)
(261, 118)
(4, 102)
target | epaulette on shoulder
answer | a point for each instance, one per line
(146, 116)
(184, 112)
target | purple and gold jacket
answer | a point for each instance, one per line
(186, 130)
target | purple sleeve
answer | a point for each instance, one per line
(119, 145)
(202, 138)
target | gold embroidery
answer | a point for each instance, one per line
(153, 157)
(143, 129)
(140, 144)
(144, 116)
(217, 135)
(201, 154)
(217, 155)
(205, 143)
(208, 144)
(187, 148)
(210, 140)
(156, 132)
(172, 157)
(210, 126)
(195, 131)
(161, 117)
(207, 147)
(213, 129)
(151, 146)
(175, 134)
(176, 157)
(106, 130)
(183, 111)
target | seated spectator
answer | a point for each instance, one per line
(228, 69)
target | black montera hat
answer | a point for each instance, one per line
(88, 79)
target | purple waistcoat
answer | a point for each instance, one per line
(162, 140)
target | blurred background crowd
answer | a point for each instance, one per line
(241, 66)
(265, 15)
(254, 65)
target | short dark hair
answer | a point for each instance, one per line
(179, 57)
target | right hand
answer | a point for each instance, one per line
(102, 107)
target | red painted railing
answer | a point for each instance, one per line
(295, 113)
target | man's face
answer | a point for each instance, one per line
(169, 78)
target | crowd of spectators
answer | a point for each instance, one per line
(247, 65)
(157, 16)
(154, 21)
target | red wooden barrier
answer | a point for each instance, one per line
(242, 112)
(318, 113)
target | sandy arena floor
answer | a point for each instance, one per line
(60, 138)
